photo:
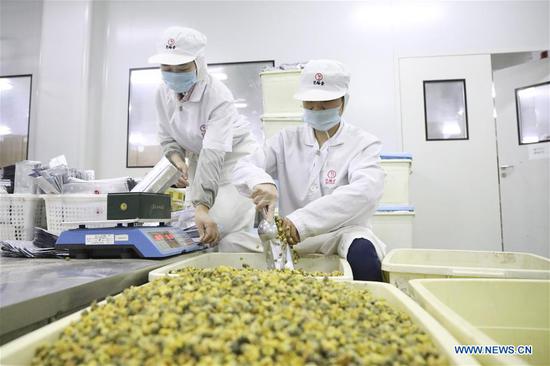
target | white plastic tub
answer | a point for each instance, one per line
(19, 214)
(394, 226)
(21, 350)
(61, 208)
(278, 88)
(309, 263)
(492, 312)
(272, 125)
(396, 183)
(402, 265)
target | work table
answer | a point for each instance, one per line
(35, 292)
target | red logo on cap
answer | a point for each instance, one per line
(171, 44)
(318, 79)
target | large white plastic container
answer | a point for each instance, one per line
(402, 265)
(278, 88)
(492, 312)
(394, 226)
(20, 213)
(21, 350)
(309, 263)
(396, 183)
(61, 208)
(272, 125)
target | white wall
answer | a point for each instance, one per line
(505, 60)
(63, 82)
(20, 29)
(368, 36)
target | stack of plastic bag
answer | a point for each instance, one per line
(43, 246)
(58, 178)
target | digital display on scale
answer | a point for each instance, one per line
(167, 239)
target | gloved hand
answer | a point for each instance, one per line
(208, 229)
(291, 233)
(180, 164)
(265, 196)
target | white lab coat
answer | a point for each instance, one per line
(209, 120)
(329, 193)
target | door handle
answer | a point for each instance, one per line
(504, 170)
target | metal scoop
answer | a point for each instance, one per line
(278, 255)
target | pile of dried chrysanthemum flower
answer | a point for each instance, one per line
(242, 317)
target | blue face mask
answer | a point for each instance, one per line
(322, 120)
(180, 82)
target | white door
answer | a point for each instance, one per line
(454, 183)
(524, 169)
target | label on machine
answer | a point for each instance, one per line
(121, 237)
(100, 239)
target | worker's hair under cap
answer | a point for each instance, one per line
(179, 45)
(323, 80)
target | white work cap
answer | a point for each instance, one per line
(323, 80)
(178, 46)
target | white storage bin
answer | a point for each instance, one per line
(309, 263)
(272, 125)
(492, 312)
(278, 88)
(396, 183)
(19, 215)
(394, 226)
(21, 350)
(62, 208)
(402, 265)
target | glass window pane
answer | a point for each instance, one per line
(446, 115)
(242, 78)
(143, 146)
(15, 99)
(533, 110)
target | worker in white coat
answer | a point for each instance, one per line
(197, 120)
(328, 173)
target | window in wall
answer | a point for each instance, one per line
(15, 111)
(445, 110)
(533, 113)
(242, 78)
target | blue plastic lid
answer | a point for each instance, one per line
(401, 155)
(394, 208)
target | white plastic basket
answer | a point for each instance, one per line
(19, 214)
(61, 208)
(492, 312)
(278, 88)
(273, 125)
(309, 263)
(394, 227)
(402, 265)
(396, 183)
(21, 350)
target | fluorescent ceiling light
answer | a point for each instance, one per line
(152, 76)
(136, 138)
(219, 75)
(396, 14)
(529, 139)
(5, 130)
(450, 128)
(5, 84)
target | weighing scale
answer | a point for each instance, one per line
(126, 239)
